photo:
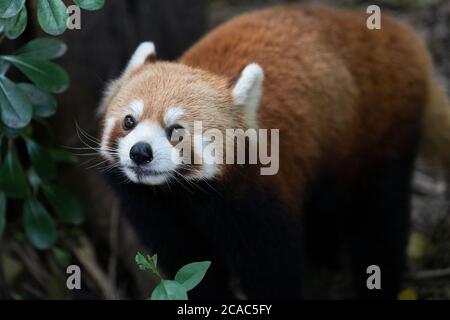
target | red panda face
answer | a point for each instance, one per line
(154, 118)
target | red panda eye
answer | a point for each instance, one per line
(129, 122)
(173, 128)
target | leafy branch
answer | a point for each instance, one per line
(28, 168)
(186, 279)
(52, 15)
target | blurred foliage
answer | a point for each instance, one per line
(28, 162)
(408, 294)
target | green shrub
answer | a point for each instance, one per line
(28, 168)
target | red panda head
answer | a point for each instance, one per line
(150, 118)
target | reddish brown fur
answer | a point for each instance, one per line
(344, 97)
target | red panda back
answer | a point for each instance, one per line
(344, 97)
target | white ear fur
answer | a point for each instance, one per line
(248, 89)
(145, 51)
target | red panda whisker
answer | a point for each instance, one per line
(86, 143)
(87, 135)
(180, 183)
(95, 165)
(90, 148)
(82, 136)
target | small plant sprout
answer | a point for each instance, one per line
(186, 279)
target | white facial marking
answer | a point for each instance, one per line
(162, 165)
(104, 148)
(148, 180)
(137, 108)
(209, 168)
(172, 115)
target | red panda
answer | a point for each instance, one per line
(352, 106)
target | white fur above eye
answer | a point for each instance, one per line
(137, 108)
(248, 89)
(172, 115)
(142, 53)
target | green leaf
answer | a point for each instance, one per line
(148, 263)
(90, 4)
(16, 25)
(44, 104)
(39, 225)
(10, 8)
(62, 257)
(66, 206)
(154, 259)
(12, 133)
(169, 290)
(12, 177)
(42, 49)
(46, 75)
(52, 16)
(4, 66)
(192, 274)
(34, 180)
(41, 160)
(142, 262)
(16, 110)
(2, 213)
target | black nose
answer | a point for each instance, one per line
(141, 153)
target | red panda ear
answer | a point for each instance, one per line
(145, 53)
(248, 89)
